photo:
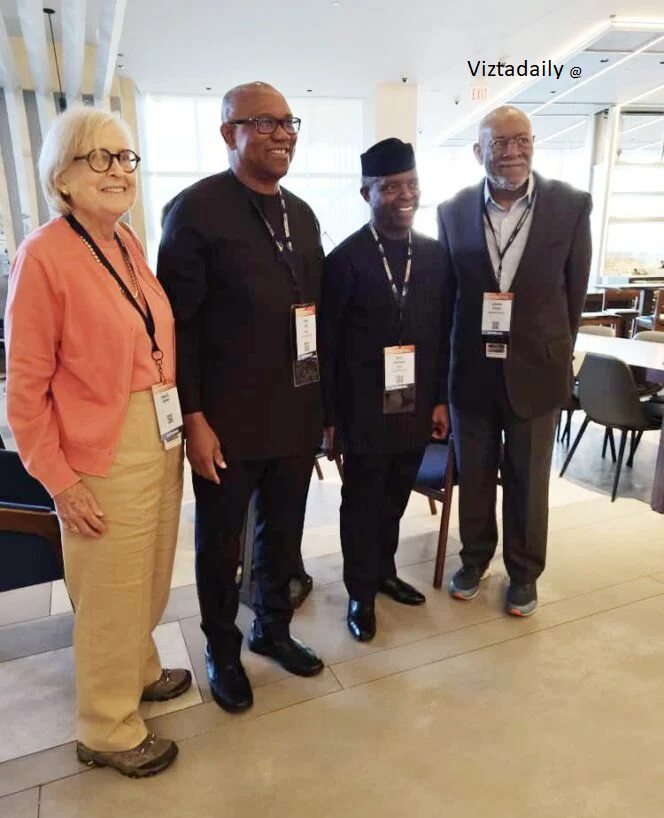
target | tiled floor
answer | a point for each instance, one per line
(453, 709)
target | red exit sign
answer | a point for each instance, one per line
(479, 93)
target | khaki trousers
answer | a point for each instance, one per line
(119, 584)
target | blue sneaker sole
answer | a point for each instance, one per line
(464, 596)
(522, 610)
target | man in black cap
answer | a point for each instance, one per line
(384, 335)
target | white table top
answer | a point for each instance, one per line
(635, 353)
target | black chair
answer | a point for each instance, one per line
(30, 545)
(608, 396)
(436, 480)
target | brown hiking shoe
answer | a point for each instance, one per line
(150, 757)
(170, 684)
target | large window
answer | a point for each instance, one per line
(635, 232)
(182, 144)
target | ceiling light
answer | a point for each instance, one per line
(606, 59)
(577, 85)
(560, 133)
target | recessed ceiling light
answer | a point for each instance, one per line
(309, 90)
(336, 3)
(552, 92)
(208, 87)
(121, 65)
(606, 59)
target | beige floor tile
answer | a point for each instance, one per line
(658, 577)
(538, 726)
(597, 510)
(37, 769)
(502, 629)
(21, 805)
(24, 604)
(37, 706)
(267, 698)
(60, 602)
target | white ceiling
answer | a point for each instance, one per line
(346, 49)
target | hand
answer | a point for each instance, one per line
(79, 513)
(203, 447)
(328, 442)
(441, 422)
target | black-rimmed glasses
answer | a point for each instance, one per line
(501, 144)
(100, 160)
(269, 124)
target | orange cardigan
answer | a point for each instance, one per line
(70, 353)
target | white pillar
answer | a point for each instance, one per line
(25, 175)
(396, 112)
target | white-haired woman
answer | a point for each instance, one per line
(91, 404)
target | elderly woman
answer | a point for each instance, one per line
(95, 416)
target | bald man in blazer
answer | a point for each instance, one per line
(519, 248)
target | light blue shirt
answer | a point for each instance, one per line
(504, 222)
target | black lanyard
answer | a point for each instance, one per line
(510, 241)
(399, 297)
(285, 249)
(147, 316)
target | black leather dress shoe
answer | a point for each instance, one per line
(401, 591)
(289, 652)
(361, 621)
(229, 684)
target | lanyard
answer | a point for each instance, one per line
(399, 297)
(284, 214)
(510, 241)
(285, 250)
(147, 316)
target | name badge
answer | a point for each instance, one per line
(305, 331)
(169, 414)
(305, 356)
(399, 393)
(496, 323)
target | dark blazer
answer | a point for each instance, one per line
(549, 292)
(358, 319)
(232, 296)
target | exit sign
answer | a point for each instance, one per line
(479, 93)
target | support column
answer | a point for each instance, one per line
(22, 153)
(607, 140)
(129, 112)
(396, 112)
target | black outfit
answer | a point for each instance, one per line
(517, 398)
(232, 294)
(382, 452)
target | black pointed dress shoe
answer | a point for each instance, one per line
(401, 591)
(361, 621)
(229, 684)
(286, 650)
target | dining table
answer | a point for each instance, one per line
(645, 354)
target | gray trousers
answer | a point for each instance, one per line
(524, 465)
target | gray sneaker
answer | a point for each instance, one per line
(465, 584)
(169, 685)
(521, 599)
(150, 757)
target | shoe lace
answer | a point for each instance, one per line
(149, 741)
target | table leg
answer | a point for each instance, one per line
(657, 501)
